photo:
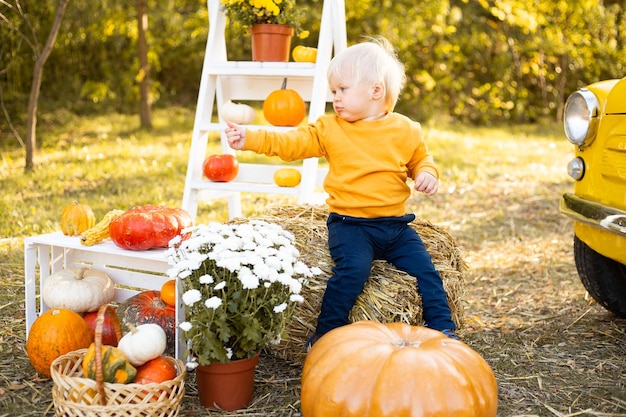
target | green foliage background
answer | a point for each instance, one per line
(478, 61)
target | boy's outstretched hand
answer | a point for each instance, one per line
(426, 183)
(236, 135)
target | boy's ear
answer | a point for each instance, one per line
(378, 91)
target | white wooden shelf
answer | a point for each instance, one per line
(257, 178)
(275, 69)
(132, 271)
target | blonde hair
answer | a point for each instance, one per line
(373, 61)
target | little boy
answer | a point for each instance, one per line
(371, 152)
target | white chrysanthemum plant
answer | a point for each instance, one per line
(240, 283)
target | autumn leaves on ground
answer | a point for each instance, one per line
(553, 350)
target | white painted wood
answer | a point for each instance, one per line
(132, 271)
(224, 80)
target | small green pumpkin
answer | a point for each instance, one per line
(115, 367)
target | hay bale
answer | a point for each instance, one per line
(390, 295)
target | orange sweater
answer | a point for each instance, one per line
(369, 161)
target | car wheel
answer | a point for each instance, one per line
(604, 278)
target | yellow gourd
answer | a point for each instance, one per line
(100, 231)
(115, 367)
(287, 177)
(304, 54)
(76, 218)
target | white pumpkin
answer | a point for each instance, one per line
(237, 113)
(78, 289)
(143, 343)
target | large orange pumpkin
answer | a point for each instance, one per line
(284, 107)
(55, 333)
(395, 370)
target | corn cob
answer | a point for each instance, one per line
(101, 230)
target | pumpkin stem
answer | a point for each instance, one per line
(80, 273)
(132, 328)
(405, 343)
(284, 86)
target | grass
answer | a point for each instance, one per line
(554, 351)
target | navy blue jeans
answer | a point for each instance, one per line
(354, 244)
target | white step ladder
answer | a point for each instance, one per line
(224, 80)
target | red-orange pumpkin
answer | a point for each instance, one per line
(157, 370)
(111, 326)
(284, 107)
(145, 227)
(148, 307)
(55, 333)
(389, 370)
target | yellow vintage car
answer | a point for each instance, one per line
(595, 122)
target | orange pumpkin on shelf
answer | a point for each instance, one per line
(284, 107)
(387, 370)
(55, 333)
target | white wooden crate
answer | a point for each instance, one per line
(132, 271)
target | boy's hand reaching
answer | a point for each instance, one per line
(426, 183)
(236, 135)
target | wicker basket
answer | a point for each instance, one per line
(76, 396)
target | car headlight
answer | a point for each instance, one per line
(576, 168)
(580, 117)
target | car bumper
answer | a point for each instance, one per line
(594, 214)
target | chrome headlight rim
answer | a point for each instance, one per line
(576, 168)
(580, 117)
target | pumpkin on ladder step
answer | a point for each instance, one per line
(284, 107)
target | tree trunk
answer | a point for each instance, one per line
(31, 117)
(145, 110)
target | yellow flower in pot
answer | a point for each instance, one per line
(272, 24)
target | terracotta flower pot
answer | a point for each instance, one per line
(227, 386)
(271, 43)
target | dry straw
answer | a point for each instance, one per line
(390, 295)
